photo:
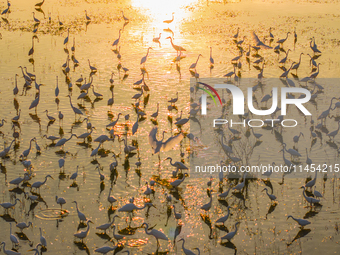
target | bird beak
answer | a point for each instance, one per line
(301, 187)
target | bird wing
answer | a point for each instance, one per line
(172, 141)
(258, 42)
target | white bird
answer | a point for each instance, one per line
(230, 235)
(240, 186)
(75, 109)
(186, 251)
(224, 218)
(207, 206)
(60, 201)
(37, 185)
(9, 205)
(110, 198)
(297, 137)
(95, 152)
(130, 207)
(301, 222)
(9, 252)
(117, 237)
(156, 233)
(112, 124)
(115, 43)
(291, 151)
(62, 141)
(177, 164)
(25, 153)
(178, 216)
(101, 176)
(312, 182)
(12, 237)
(107, 225)
(92, 68)
(143, 60)
(193, 65)
(23, 225)
(177, 182)
(310, 200)
(19, 180)
(271, 196)
(316, 193)
(224, 194)
(42, 239)
(81, 216)
(334, 133)
(51, 137)
(83, 234)
(74, 175)
(148, 191)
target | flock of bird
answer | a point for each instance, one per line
(33, 191)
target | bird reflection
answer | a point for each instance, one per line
(82, 247)
(301, 233)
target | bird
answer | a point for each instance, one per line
(310, 200)
(297, 65)
(281, 41)
(62, 141)
(74, 175)
(207, 206)
(193, 65)
(211, 58)
(19, 180)
(177, 182)
(13, 238)
(9, 252)
(224, 218)
(75, 109)
(50, 118)
(271, 196)
(9, 205)
(174, 100)
(51, 137)
(312, 182)
(60, 201)
(143, 60)
(38, 184)
(335, 132)
(112, 124)
(117, 237)
(101, 176)
(106, 226)
(291, 151)
(130, 207)
(156, 233)
(81, 216)
(35, 19)
(92, 68)
(155, 114)
(301, 222)
(284, 60)
(177, 164)
(240, 186)
(230, 235)
(68, 34)
(125, 18)
(176, 47)
(178, 216)
(115, 43)
(170, 20)
(83, 234)
(297, 137)
(87, 17)
(23, 225)
(16, 118)
(42, 239)
(25, 153)
(224, 194)
(316, 193)
(186, 251)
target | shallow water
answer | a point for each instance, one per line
(197, 25)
